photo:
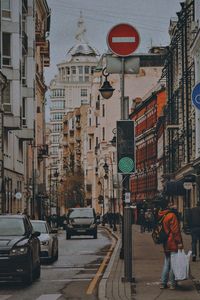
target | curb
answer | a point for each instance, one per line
(103, 281)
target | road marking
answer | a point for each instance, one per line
(4, 297)
(49, 297)
(100, 270)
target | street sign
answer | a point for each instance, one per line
(127, 197)
(123, 39)
(196, 95)
(114, 65)
(18, 195)
(187, 185)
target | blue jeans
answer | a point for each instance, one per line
(167, 273)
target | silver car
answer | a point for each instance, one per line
(48, 240)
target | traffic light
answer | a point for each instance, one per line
(125, 147)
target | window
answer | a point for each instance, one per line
(24, 112)
(6, 11)
(73, 68)
(87, 69)
(83, 92)
(67, 70)
(80, 70)
(103, 110)
(6, 98)
(103, 133)
(90, 144)
(55, 139)
(6, 49)
(86, 78)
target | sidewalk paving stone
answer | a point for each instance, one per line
(147, 262)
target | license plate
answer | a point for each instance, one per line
(81, 230)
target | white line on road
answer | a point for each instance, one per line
(123, 39)
(49, 297)
(4, 297)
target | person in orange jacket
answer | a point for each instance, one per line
(173, 244)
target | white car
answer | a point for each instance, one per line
(48, 240)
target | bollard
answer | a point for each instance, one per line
(128, 245)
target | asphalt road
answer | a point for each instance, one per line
(70, 276)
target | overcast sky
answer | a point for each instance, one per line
(150, 17)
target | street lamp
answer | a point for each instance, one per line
(106, 90)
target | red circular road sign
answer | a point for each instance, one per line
(123, 39)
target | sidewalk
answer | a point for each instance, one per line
(147, 266)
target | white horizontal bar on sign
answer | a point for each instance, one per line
(123, 39)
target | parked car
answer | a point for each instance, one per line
(48, 240)
(81, 221)
(19, 249)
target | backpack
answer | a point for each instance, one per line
(159, 235)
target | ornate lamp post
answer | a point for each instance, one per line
(106, 90)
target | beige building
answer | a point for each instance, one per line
(102, 127)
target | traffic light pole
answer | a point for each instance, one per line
(126, 248)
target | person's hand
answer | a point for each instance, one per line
(180, 246)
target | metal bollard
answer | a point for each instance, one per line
(127, 245)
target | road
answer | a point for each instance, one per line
(70, 277)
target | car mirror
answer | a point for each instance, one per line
(36, 233)
(54, 230)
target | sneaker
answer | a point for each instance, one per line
(172, 287)
(163, 286)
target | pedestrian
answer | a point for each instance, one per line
(141, 220)
(173, 243)
(194, 224)
(149, 219)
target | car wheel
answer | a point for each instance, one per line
(28, 278)
(56, 255)
(37, 271)
(68, 236)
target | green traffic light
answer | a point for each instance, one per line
(126, 165)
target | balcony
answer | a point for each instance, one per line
(91, 130)
(42, 151)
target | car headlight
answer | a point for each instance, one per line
(44, 243)
(19, 251)
(93, 225)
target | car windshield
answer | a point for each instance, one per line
(39, 226)
(81, 213)
(11, 226)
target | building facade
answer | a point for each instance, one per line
(18, 64)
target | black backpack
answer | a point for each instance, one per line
(159, 235)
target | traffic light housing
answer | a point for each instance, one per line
(125, 147)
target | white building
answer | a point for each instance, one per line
(70, 89)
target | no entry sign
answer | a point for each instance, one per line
(123, 39)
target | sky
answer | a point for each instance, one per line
(150, 17)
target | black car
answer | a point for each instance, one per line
(19, 249)
(81, 221)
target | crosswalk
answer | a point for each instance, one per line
(41, 297)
